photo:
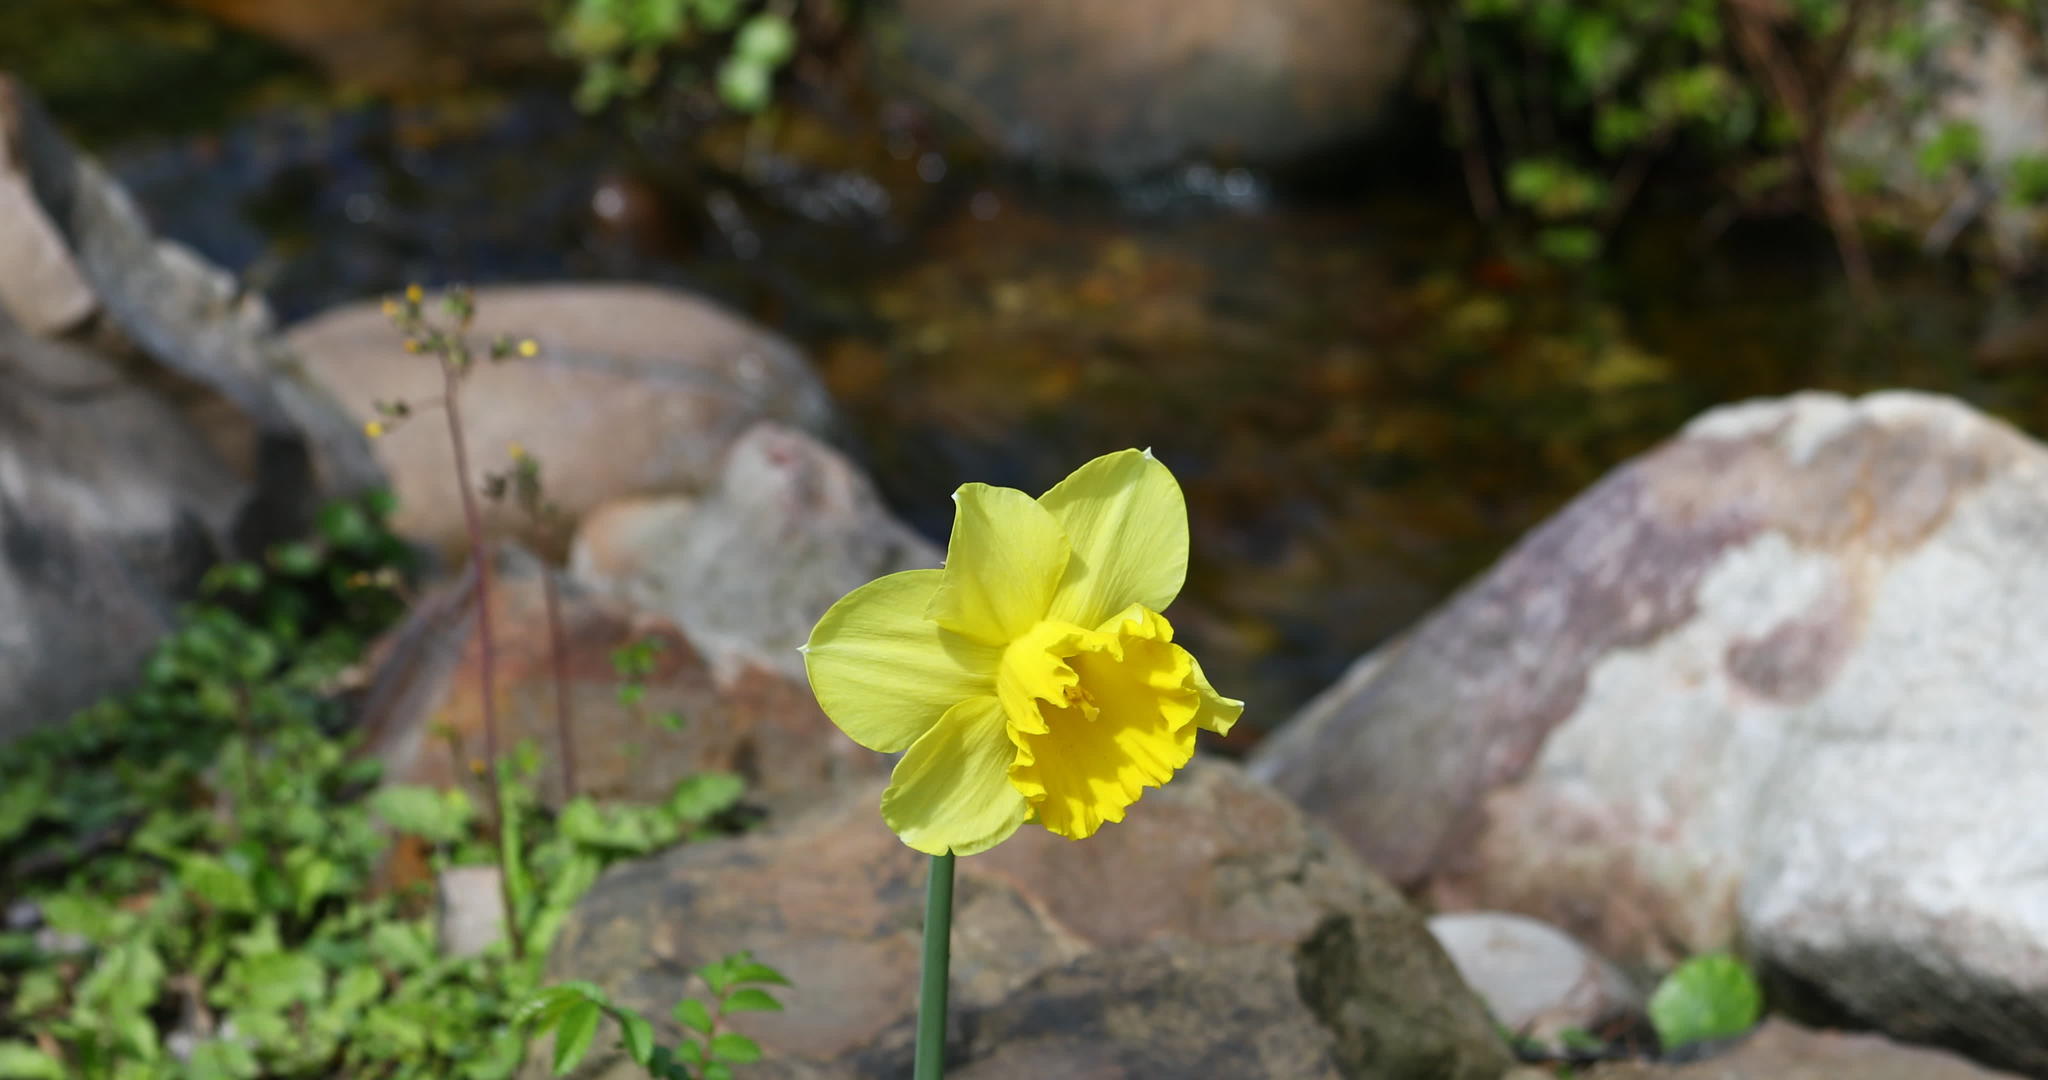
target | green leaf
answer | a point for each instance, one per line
(736, 1048)
(1707, 997)
(744, 85)
(637, 1034)
(573, 1034)
(213, 881)
(278, 981)
(548, 1005)
(718, 973)
(21, 802)
(1959, 144)
(22, 1061)
(767, 39)
(751, 1000)
(222, 1059)
(717, 14)
(692, 1014)
(718, 1070)
(706, 795)
(296, 559)
(436, 816)
(753, 971)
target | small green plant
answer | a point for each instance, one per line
(634, 662)
(448, 345)
(572, 1011)
(625, 46)
(1706, 998)
(522, 485)
(200, 857)
(1560, 109)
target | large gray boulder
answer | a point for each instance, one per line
(81, 259)
(1213, 934)
(1776, 684)
(150, 424)
(111, 508)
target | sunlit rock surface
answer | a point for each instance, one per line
(635, 390)
(1777, 683)
(1213, 934)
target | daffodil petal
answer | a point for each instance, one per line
(1004, 561)
(1127, 524)
(1216, 713)
(952, 791)
(883, 672)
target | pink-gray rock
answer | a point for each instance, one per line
(1123, 88)
(635, 391)
(743, 717)
(747, 568)
(1537, 980)
(1776, 683)
(1212, 934)
(1781, 1050)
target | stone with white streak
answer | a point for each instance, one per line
(1536, 980)
(789, 527)
(1777, 683)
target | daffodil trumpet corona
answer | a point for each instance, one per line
(1033, 679)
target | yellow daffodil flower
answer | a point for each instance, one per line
(1034, 677)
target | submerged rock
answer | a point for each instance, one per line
(397, 45)
(747, 568)
(1131, 87)
(635, 391)
(1777, 683)
(1212, 934)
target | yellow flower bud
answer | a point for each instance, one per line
(529, 348)
(374, 429)
(414, 294)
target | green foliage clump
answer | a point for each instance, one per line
(1706, 998)
(625, 46)
(571, 1012)
(190, 871)
(1562, 107)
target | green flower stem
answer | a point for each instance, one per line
(931, 999)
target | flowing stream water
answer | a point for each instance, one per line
(1367, 397)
